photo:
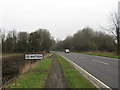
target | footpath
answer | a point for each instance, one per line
(55, 77)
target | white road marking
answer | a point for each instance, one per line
(101, 62)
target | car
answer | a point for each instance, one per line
(67, 51)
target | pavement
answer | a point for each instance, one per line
(103, 68)
(55, 77)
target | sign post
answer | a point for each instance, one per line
(32, 57)
(30, 62)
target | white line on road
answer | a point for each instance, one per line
(101, 62)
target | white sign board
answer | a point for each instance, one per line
(33, 56)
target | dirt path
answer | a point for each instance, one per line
(55, 78)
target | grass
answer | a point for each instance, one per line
(73, 78)
(99, 54)
(34, 78)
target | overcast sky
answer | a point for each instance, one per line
(60, 17)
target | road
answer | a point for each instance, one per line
(104, 69)
(0, 72)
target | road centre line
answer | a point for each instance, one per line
(101, 62)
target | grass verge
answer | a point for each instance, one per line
(73, 78)
(34, 78)
(99, 54)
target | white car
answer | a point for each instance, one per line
(67, 51)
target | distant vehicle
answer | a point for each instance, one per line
(67, 51)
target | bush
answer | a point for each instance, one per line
(12, 66)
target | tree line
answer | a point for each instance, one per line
(37, 41)
(84, 40)
(87, 40)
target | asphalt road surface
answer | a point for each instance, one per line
(104, 69)
(0, 70)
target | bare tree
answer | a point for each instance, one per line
(114, 29)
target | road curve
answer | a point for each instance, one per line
(104, 69)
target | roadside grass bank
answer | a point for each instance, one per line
(110, 55)
(73, 78)
(35, 78)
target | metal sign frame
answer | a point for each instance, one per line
(32, 57)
